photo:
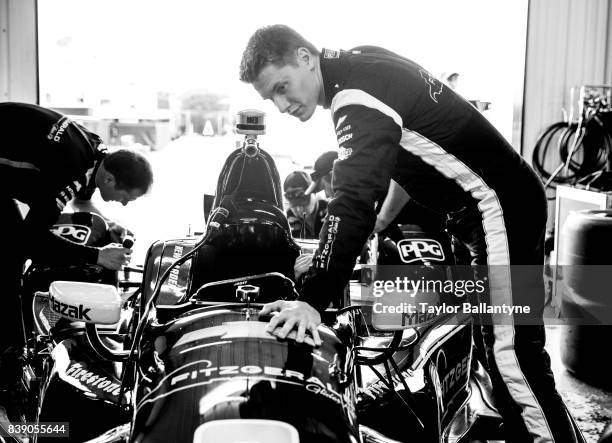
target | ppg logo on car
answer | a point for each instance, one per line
(76, 233)
(417, 249)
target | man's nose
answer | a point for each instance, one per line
(282, 104)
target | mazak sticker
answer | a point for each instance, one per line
(420, 249)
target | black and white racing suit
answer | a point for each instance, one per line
(46, 159)
(395, 120)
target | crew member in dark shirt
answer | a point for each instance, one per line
(305, 213)
(46, 161)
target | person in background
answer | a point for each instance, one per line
(305, 213)
(452, 80)
(394, 120)
(322, 174)
(46, 161)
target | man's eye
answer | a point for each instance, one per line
(281, 89)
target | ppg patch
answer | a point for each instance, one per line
(420, 249)
(75, 233)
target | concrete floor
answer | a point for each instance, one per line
(590, 406)
(189, 167)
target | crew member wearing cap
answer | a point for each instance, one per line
(322, 175)
(306, 213)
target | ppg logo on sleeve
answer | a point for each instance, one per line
(420, 249)
(76, 233)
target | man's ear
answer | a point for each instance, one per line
(109, 179)
(305, 57)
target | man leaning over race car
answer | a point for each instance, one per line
(394, 120)
(47, 160)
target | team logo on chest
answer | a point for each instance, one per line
(435, 86)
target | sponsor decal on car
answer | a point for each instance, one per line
(449, 377)
(420, 249)
(90, 379)
(76, 312)
(174, 274)
(204, 372)
(455, 374)
(76, 233)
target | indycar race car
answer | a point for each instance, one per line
(187, 358)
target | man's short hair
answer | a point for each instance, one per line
(276, 45)
(130, 169)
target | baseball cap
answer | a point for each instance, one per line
(295, 184)
(323, 166)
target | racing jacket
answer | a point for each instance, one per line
(393, 119)
(46, 160)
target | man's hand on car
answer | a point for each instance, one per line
(293, 315)
(114, 256)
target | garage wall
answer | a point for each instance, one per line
(569, 43)
(18, 53)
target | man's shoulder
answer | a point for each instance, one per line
(378, 71)
(12, 108)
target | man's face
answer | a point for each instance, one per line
(294, 89)
(110, 192)
(299, 203)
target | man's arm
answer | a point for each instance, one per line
(41, 243)
(83, 203)
(395, 200)
(368, 141)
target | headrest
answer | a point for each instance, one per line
(249, 177)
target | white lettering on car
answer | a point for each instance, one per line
(91, 380)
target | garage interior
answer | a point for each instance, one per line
(561, 124)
